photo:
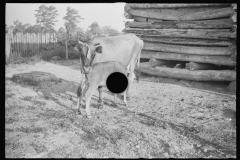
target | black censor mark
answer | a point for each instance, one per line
(117, 82)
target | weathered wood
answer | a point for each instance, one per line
(140, 19)
(167, 15)
(232, 86)
(172, 15)
(158, 62)
(144, 19)
(176, 11)
(202, 66)
(180, 11)
(187, 49)
(28, 43)
(187, 41)
(234, 17)
(234, 28)
(174, 5)
(218, 60)
(234, 56)
(211, 14)
(223, 23)
(190, 33)
(234, 5)
(206, 75)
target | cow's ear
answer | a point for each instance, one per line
(99, 49)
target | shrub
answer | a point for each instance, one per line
(58, 51)
(17, 59)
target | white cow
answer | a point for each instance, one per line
(123, 48)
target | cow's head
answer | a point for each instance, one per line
(87, 54)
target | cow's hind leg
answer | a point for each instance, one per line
(100, 101)
(130, 79)
(125, 98)
(115, 99)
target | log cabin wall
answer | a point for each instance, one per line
(191, 42)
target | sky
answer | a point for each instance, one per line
(110, 14)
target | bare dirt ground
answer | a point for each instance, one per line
(162, 120)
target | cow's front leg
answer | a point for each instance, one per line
(100, 101)
(88, 96)
(79, 95)
(115, 99)
(125, 98)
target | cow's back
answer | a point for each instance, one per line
(118, 48)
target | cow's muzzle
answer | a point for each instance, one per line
(88, 69)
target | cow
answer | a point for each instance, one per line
(123, 48)
(96, 77)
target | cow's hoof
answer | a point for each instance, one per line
(128, 98)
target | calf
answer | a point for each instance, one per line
(96, 77)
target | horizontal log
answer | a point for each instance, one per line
(155, 62)
(206, 75)
(174, 5)
(178, 11)
(140, 19)
(223, 23)
(234, 5)
(211, 14)
(167, 15)
(144, 19)
(172, 15)
(218, 60)
(152, 20)
(221, 87)
(202, 66)
(232, 86)
(190, 33)
(175, 11)
(234, 17)
(187, 41)
(187, 49)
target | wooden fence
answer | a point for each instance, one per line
(25, 44)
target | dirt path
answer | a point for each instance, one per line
(162, 120)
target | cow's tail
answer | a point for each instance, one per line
(138, 72)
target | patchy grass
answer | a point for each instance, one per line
(162, 121)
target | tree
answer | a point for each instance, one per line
(46, 17)
(108, 31)
(19, 27)
(33, 29)
(71, 18)
(61, 35)
(94, 30)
